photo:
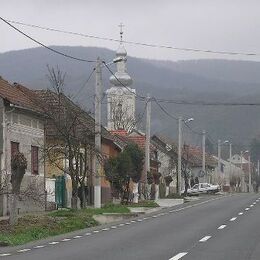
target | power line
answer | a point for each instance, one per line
(85, 83)
(122, 84)
(135, 42)
(202, 103)
(43, 45)
(164, 110)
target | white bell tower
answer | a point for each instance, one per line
(120, 97)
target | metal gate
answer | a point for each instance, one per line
(60, 191)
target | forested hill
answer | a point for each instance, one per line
(203, 80)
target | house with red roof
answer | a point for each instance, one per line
(21, 129)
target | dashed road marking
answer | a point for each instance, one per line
(65, 239)
(204, 239)
(139, 220)
(240, 213)
(87, 234)
(247, 209)
(222, 226)
(128, 223)
(54, 243)
(5, 254)
(133, 221)
(254, 203)
(251, 205)
(96, 231)
(113, 227)
(76, 237)
(121, 225)
(40, 246)
(233, 219)
(105, 229)
(24, 250)
(179, 256)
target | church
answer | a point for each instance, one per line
(120, 96)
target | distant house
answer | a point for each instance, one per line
(167, 155)
(21, 129)
(194, 156)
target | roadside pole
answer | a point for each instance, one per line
(230, 164)
(249, 175)
(147, 143)
(179, 154)
(204, 154)
(96, 164)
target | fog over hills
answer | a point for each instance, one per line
(194, 80)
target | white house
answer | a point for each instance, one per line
(21, 129)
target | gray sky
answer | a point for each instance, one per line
(230, 25)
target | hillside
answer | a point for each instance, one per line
(206, 80)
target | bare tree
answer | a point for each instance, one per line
(120, 115)
(69, 134)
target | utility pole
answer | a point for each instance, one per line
(243, 175)
(179, 154)
(219, 156)
(147, 141)
(230, 164)
(96, 165)
(204, 153)
(249, 175)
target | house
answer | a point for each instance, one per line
(67, 123)
(193, 156)
(230, 175)
(167, 155)
(21, 129)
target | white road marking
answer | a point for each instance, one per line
(204, 239)
(6, 254)
(139, 220)
(65, 239)
(96, 231)
(179, 256)
(113, 226)
(251, 205)
(240, 213)
(87, 234)
(155, 216)
(254, 203)
(247, 208)
(40, 246)
(76, 237)
(105, 229)
(133, 221)
(233, 219)
(222, 226)
(128, 223)
(120, 225)
(54, 243)
(24, 250)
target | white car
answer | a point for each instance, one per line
(202, 188)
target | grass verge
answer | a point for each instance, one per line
(144, 204)
(34, 227)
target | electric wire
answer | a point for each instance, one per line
(85, 83)
(135, 42)
(43, 45)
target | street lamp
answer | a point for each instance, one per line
(180, 120)
(241, 167)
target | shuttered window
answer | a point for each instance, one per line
(35, 160)
(14, 148)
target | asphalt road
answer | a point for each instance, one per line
(223, 228)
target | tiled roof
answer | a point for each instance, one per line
(14, 95)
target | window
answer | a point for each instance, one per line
(35, 160)
(14, 148)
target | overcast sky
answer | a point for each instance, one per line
(224, 25)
